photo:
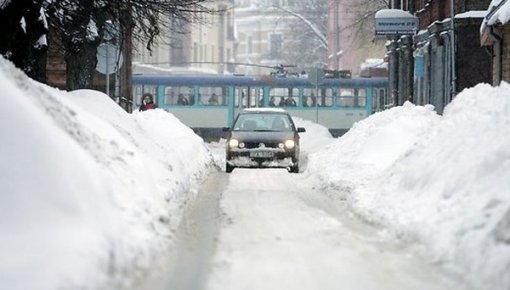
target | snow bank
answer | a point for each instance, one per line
(441, 180)
(89, 192)
(372, 145)
(315, 137)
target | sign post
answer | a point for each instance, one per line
(316, 77)
(109, 60)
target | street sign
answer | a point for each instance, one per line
(395, 22)
(107, 56)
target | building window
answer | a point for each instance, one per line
(177, 55)
(275, 46)
(195, 52)
(230, 27)
(249, 45)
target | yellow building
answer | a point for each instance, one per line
(204, 46)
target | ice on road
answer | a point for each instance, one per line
(278, 233)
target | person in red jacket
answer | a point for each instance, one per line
(147, 102)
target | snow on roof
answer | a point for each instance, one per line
(472, 14)
(373, 63)
(393, 13)
(498, 13)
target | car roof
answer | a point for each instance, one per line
(264, 110)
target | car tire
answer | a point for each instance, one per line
(295, 168)
(228, 168)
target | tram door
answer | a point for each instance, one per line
(247, 97)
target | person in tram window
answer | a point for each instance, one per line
(272, 102)
(314, 100)
(191, 99)
(147, 102)
(181, 100)
(281, 103)
(290, 102)
(213, 100)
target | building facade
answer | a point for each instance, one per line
(495, 36)
(432, 66)
(351, 37)
(205, 46)
(261, 32)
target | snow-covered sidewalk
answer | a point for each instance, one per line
(441, 180)
(89, 193)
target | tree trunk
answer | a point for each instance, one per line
(81, 66)
(23, 31)
(81, 38)
(126, 72)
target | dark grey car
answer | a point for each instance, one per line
(263, 138)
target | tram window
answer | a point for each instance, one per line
(241, 97)
(292, 98)
(382, 97)
(309, 99)
(283, 97)
(375, 98)
(137, 95)
(212, 96)
(277, 96)
(256, 97)
(351, 97)
(326, 97)
(179, 96)
(140, 90)
(249, 97)
(360, 97)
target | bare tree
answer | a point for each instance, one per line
(354, 34)
(306, 42)
(23, 36)
(81, 24)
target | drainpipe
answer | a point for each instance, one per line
(453, 43)
(498, 47)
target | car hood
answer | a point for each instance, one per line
(261, 136)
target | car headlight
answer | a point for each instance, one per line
(281, 145)
(289, 144)
(233, 143)
(241, 145)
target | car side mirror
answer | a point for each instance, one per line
(225, 129)
(301, 129)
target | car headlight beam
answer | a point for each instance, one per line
(289, 144)
(233, 143)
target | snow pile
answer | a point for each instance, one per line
(315, 137)
(444, 181)
(372, 145)
(89, 192)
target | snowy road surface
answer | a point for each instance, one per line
(268, 229)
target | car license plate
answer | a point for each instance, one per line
(261, 154)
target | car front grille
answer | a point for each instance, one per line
(252, 145)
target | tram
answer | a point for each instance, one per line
(207, 103)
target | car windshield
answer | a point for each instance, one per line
(263, 122)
